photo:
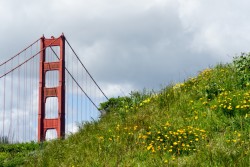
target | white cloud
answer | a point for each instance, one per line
(218, 26)
(115, 90)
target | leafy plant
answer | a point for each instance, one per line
(212, 90)
(136, 98)
(242, 66)
(115, 103)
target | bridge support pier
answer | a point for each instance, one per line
(58, 123)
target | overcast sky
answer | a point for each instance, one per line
(133, 44)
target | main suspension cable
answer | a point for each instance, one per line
(76, 82)
(86, 69)
(26, 60)
(19, 53)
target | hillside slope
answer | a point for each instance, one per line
(204, 121)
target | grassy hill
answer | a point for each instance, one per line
(204, 121)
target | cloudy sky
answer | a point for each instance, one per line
(133, 44)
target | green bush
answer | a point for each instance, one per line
(242, 66)
(15, 154)
(115, 103)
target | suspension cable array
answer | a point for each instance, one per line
(19, 81)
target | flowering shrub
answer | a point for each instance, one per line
(172, 141)
(233, 103)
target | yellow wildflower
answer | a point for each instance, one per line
(149, 147)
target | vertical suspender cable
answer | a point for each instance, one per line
(86, 103)
(18, 100)
(30, 95)
(90, 92)
(72, 91)
(66, 97)
(25, 100)
(32, 78)
(11, 103)
(81, 99)
(35, 87)
(22, 79)
(3, 106)
(77, 91)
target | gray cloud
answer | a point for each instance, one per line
(133, 44)
(126, 45)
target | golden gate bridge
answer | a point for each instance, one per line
(46, 92)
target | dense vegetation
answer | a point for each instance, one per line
(15, 154)
(204, 121)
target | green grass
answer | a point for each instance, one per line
(204, 121)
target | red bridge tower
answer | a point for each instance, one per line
(58, 123)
